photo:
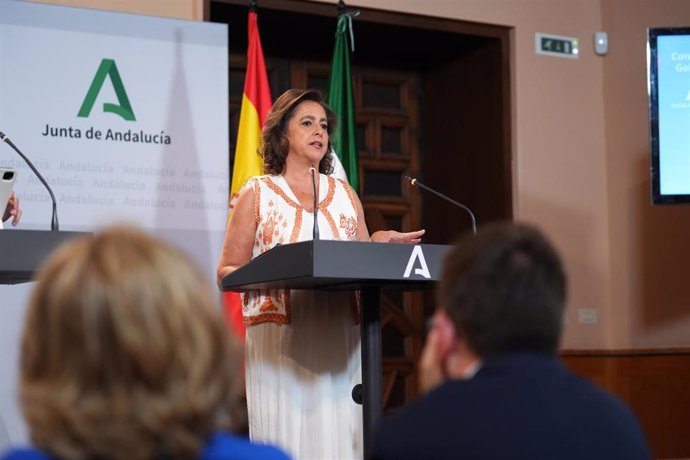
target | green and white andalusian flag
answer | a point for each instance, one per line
(341, 100)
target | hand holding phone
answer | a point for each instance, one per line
(9, 202)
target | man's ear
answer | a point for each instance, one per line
(447, 333)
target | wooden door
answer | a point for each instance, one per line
(438, 113)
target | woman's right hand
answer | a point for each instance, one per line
(391, 236)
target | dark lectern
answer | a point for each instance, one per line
(23, 251)
(347, 265)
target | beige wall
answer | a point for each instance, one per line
(180, 9)
(650, 246)
(580, 157)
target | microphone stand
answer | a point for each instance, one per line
(450, 200)
(54, 222)
(316, 203)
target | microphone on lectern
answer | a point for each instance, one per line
(316, 202)
(414, 181)
(54, 222)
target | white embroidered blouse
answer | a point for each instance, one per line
(281, 219)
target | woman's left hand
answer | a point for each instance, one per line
(391, 236)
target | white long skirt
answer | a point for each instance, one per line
(300, 377)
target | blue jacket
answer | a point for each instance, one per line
(518, 406)
(221, 446)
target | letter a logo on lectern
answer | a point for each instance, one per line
(423, 269)
(123, 108)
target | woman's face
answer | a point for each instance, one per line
(307, 132)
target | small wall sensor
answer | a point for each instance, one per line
(601, 43)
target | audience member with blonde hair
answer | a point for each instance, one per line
(125, 356)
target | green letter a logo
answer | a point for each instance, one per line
(107, 68)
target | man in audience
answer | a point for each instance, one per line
(494, 386)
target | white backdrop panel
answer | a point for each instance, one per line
(165, 170)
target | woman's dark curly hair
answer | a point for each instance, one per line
(275, 145)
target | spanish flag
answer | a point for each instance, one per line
(256, 103)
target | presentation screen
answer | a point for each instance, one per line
(668, 56)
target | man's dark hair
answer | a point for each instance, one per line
(504, 289)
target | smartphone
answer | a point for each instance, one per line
(7, 178)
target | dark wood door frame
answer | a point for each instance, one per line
(463, 145)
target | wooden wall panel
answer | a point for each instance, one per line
(654, 383)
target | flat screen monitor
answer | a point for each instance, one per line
(668, 84)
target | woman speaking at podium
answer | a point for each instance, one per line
(302, 347)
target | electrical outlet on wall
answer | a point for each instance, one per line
(587, 315)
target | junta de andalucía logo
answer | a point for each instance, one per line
(107, 69)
